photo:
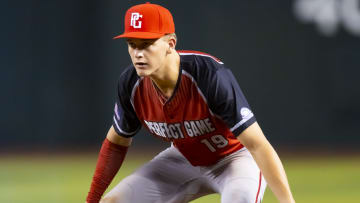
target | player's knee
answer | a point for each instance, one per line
(238, 196)
(235, 193)
(122, 193)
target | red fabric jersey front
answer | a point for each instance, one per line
(203, 116)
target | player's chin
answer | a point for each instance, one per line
(142, 72)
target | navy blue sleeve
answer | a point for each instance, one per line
(221, 90)
(125, 121)
(228, 101)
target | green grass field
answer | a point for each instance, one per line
(66, 179)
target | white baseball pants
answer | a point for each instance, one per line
(170, 178)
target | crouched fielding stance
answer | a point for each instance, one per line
(192, 100)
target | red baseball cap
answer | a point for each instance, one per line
(147, 21)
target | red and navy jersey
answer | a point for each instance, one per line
(202, 118)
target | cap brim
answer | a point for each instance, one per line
(140, 35)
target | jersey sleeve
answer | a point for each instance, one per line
(125, 121)
(227, 101)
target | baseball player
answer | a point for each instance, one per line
(192, 100)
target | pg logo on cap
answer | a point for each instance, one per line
(147, 21)
(134, 22)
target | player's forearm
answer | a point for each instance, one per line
(273, 171)
(110, 159)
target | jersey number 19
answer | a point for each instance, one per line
(215, 142)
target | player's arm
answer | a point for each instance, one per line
(111, 156)
(268, 161)
(115, 138)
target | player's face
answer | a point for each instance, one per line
(148, 55)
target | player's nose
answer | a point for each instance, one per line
(138, 53)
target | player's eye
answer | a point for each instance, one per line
(146, 44)
(132, 45)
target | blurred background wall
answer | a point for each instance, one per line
(298, 63)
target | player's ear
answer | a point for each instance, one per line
(171, 41)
